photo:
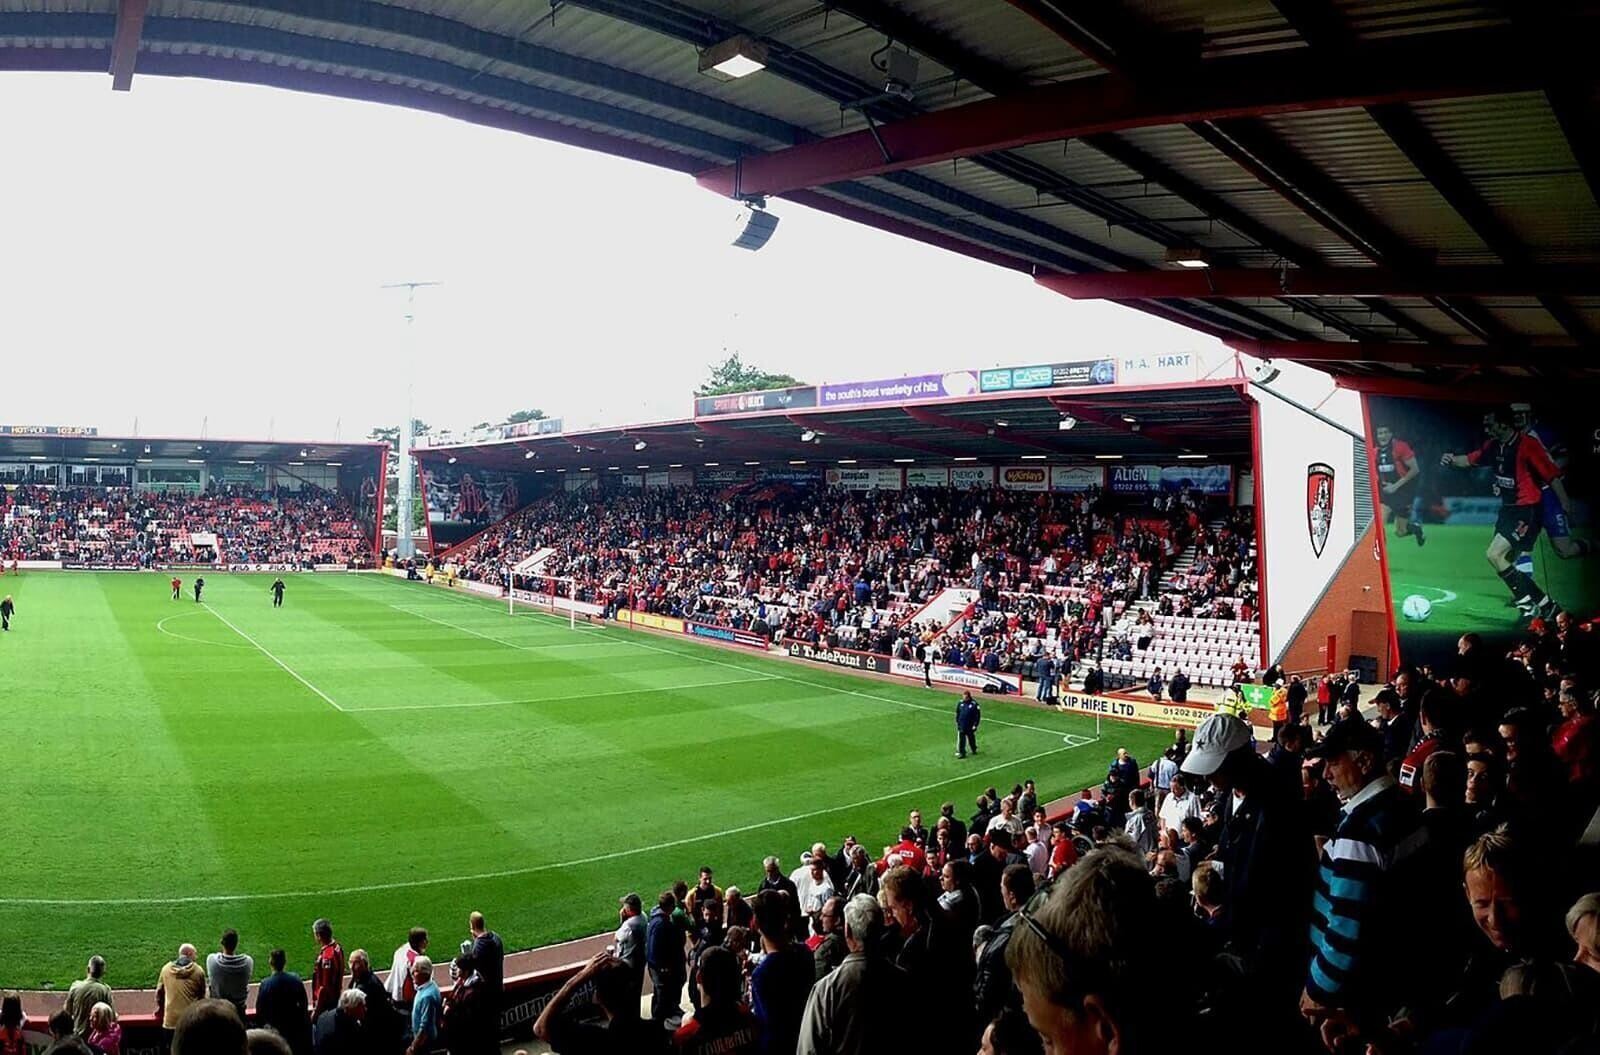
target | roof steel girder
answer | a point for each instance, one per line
(1114, 421)
(1002, 433)
(1298, 182)
(125, 42)
(1249, 85)
(1213, 282)
(1409, 354)
(675, 21)
(1322, 26)
(827, 426)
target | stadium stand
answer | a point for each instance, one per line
(859, 569)
(103, 526)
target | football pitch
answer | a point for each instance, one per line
(389, 755)
(1451, 572)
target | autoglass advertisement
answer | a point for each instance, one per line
(1488, 516)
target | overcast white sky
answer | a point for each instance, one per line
(195, 250)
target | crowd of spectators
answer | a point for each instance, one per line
(853, 569)
(345, 1007)
(122, 527)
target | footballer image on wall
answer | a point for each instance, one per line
(1488, 516)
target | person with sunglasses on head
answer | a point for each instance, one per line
(1088, 958)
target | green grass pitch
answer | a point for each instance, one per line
(1452, 573)
(390, 754)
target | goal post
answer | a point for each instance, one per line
(549, 592)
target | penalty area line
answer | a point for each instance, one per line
(509, 873)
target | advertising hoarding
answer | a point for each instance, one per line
(970, 477)
(865, 479)
(899, 389)
(1076, 478)
(800, 397)
(1025, 478)
(1049, 375)
(922, 477)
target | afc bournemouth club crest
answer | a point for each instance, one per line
(1319, 504)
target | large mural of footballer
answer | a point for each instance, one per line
(1488, 516)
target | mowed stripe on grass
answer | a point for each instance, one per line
(152, 771)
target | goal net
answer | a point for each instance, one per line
(552, 594)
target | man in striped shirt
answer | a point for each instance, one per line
(1358, 907)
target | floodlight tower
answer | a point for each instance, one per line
(405, 546)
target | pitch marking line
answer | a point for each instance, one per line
(507, 873)
(557, 699)
(749, 670)
(499, 641)
(288, 669)
(162, 626)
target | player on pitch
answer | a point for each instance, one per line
(1398, 473)
(1522, 470)
(177, 588)
(277, 592)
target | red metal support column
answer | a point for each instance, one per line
(383, 486)
(1261, 532)
(1379, 526)
(125, 42)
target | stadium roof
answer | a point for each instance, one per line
(1384, 187)
(56, 445)
(1158, 422)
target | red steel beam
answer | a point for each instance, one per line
(125, 42)
(1204, 283)
(1470, 63)
(1415, 354)
(1114, 421)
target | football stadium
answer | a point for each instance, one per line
(1103, 562)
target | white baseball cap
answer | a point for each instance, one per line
(1218, 736)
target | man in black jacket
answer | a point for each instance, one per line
(339, 1031)
(992, 990)
(281, 1004)
(382, 1023)
(958, 827)
(1265, 849)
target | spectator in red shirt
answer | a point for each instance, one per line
(911, 854)
(1574, 739)
(327, 976)
(1063, 852)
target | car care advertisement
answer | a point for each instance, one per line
(977, 680)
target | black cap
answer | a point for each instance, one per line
(1352, 735)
